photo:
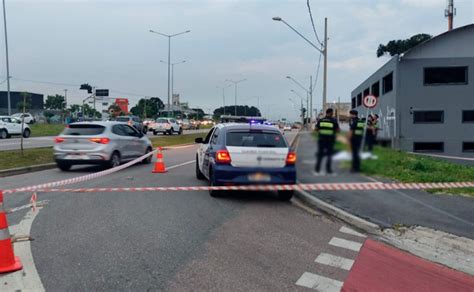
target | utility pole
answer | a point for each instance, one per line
(311, 99)
(450, 12)
(6, 54)
(65, 98)
(325, 55)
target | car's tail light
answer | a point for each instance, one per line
(223, 157)
(58, 140)
(291, 158)
(100, 140)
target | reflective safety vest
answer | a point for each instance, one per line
(327, 128)
(359, 131)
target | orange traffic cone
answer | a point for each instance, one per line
(8, 261)
(159, 164)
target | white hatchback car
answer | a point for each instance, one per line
(166, 126)
(10, 126)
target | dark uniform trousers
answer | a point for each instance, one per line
(356, 142)
(325, 148)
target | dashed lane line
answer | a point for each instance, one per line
(335, 261)
(350, 231)
(344, 243)
(319, 283)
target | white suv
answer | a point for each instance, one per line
(12, 126)
(166, 126)
(28, 118)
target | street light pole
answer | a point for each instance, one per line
(235, 85)
(6, 55)
(301, 98)
(169, 61)
(323, 51)
(223, 94)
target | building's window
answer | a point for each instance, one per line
(366, 92)
(428, 146)
(424, 117)
(376, 89)
(445, 75)
(359, 99)
(467, 146)
(468, 116)
(353, 102)
(387, 83)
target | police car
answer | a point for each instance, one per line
(245, 154)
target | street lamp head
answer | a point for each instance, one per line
(151, 30)
(277, 18)
(288, 77)
(188, 31)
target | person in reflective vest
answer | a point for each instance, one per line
(370, 134)
(356, 133)
(327, 128)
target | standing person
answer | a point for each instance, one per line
(327, 129)
(355, 137)
(370, 133)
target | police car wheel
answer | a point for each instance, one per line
(213, 193)
(199, 174)
(285, 195)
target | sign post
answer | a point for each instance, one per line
(369, 102)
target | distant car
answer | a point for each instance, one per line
(103, 143)
(166, 126)
(28, 118)
(287, 127)
(10, 126)
(244, 154)
(133, 121)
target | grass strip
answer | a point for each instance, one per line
(39, 130)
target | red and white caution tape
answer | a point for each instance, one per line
(80, 178)
(306, 187)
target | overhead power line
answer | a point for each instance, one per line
(312, 22)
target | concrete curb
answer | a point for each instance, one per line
(316, 203)
(26, 169)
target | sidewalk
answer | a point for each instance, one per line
(452, 214)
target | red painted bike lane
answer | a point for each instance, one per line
(380, 267)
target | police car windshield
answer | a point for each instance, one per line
(255, 139)
(83, 130)
(122, 119)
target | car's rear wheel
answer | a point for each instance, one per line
(3, 134)
(285, 195)
(170, 132)
(26, 133)
(155, 133)
(213, 193)
(148, 159)
(114, 160)
(180, 131)
(64, 166)
(199, 174)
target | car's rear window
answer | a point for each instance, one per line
(83, 130)
(122, 119)
(162, 121)
(255, 139)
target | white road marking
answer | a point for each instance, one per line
(181, 164)
(28, 278)
(344, 243)
(334, 261)
(347, 230)
(319, 283)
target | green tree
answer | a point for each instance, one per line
(26, 99)
(242, 110)
(54, 102)
(74, 108)
(199, 115)
(397, 47)
(90, 112)
(150, 107)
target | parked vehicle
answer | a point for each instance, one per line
(244, 154)
(287, 127)
(28, 118)
(10, 126)
(166, 126)
(187, 124)
(133, 121)
(102, 143)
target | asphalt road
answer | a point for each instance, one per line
(40, 142)
(171, 241)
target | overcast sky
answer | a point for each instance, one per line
(108, 44)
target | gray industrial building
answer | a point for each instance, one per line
(426, 96)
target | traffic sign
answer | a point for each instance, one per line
(370, 101)
(101, 92)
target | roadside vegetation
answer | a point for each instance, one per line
(164, 141)
(38, 130)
